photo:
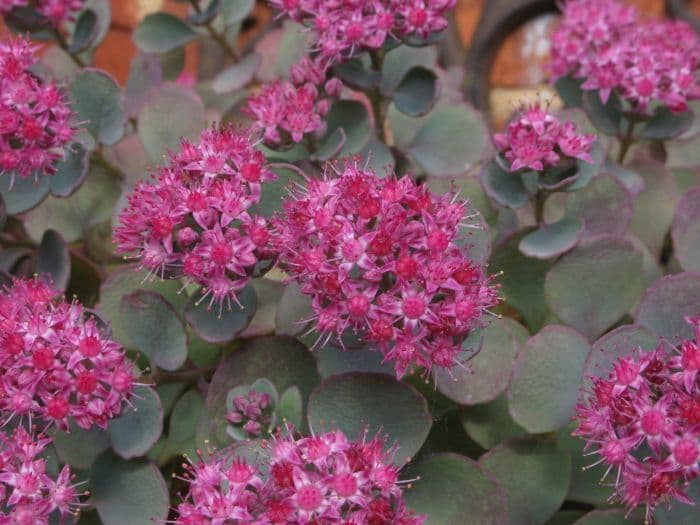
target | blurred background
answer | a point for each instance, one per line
(516, 70)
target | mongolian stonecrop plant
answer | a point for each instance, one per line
(307, 285)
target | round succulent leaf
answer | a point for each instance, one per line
(617, 343)
(333, 361)
(593, 286)
(417, 92)
(633, 182)
(490, 423)
(351, 116)
(283, 360)
(169, 393)
(607, 117)
(588, 170)
(680, 513)
(145, 75)
(126, 280)
(290, 407)
(534, 473)
(217, 323)
(401, 60)
(205, 15)
(70, 172)
(686, 231)
(155, 328)
(357, 75)
(103, 10)
(612, 517)
(654, 207)
(522, 281)
(378, 157)
(665, 124)
(53, 259)
(234, 11)
(569, 89)
(504, 187)
(128, 492)
(666, 304)
(237, 76)
(79, 447)
(161, 129)
(293, 307)
(21, 194)
(356, 401)
(546, 379)
(138, 428)
(162, 32)
(97, 101)
(551, 240)
(85, 32)
(451, 140)
(281, 49)
(565, 517)
(182, 432)
(272, 193)
(604, 206)
(486, 375)
(455, 490)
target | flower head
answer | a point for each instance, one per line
(644, 419)
(28, 495)
(321, 479)
(35, 119)
(251, 412)
(608, 45)
(385, 258)
(537, 140)
(193, 218)
(55, 12)
(55, 361)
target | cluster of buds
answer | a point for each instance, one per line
(55, 12)
(537, 140)
(286, 110)
(344, 29)
(28, 494)
(251, 412)
(386, 258)
(55, 361)
(644, 422)
(608, 45)
(192, 218)
(321, 479)
(35, 126)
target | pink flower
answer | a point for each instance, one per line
(644, 419)
(321, 479)
(56, 12)
(385, 258)
(28, 495)
(35, 127)
(192, 219)
(608, 45)
(537, 140)
(55, 361)
(251, 412)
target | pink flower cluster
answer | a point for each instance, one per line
(644, 420)
(192, 219)
(56, 12)
(343, 29)
(28, 495)
(324, 480)
(35, 124)
(384, 257)
(537, 140)
(55, 362)
(286, 110)
(251, 413)
(608, 45)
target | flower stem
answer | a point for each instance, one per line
(540, 199)
(219, 38)
(626, 143)
(376, 98)
(98, 158)
(63, 44)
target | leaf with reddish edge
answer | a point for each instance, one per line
(53, 259)
(486, 375)
(604, 206)
(686, 231)
(534, 473)
(666, 304)
(447, 488)
(359, 401)
(546, 379)
(594, 285)
(551, 240)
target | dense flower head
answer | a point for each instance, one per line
(56, 12)
(326, 479)
(28, 494)
(608, 45)
(193, 218)
(344, 28)
(251, 412)
(286, 110)
(644, 422)
(385, 257)
(56, 362)
(35, 126)
(535, 139)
